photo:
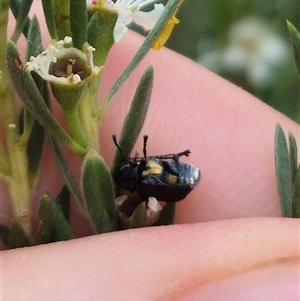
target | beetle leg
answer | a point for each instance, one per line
(170, 168)
(176, 161)
(171, 156)
(184, 153)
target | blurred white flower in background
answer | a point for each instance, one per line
(253, 49)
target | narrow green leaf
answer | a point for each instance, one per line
(295, 41)
(296, 195)
(17, 236)
(45, 232)
(21, 18)
(34, 40)
(50, 18)
(31, 136)
(33, 101)
(15, 6)
(45, 207)
(78, 22)
(98, 191)
(34, 136)
(283, 175)
(34, 152)
(63, 201)
(46, 228)
(170, 9)
(66, 172)
(35, 144)
(54, 226)
(136, 116)
(62, 228)
(293, 156)
(100, 33)
(4, 234)
(166, 215)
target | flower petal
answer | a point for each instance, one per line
(148, 19)
(119, 31)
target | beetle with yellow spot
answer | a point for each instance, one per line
(163, 177)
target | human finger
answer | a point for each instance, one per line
(179, 262)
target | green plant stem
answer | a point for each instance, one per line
(28, 124)
(74, 125)
(87, 108)
(62, 18)
(88, 122)
(19, 187)
(18, 184)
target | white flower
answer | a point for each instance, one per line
(153, 211)
(253, 50)
(129, 11)
(153, 205)
(56, 63)
(41, 63)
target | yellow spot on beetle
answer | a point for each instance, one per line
(171, 179)
(152, 168)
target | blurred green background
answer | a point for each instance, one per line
(246, 42)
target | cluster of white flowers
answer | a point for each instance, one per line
(41, 63)
(129, 11)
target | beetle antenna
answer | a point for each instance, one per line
(145, 146)
(119, 147)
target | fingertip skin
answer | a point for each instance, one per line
(156, 263)
(274, 282)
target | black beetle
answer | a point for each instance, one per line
(162, 177)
